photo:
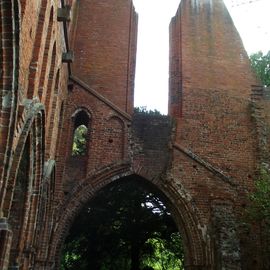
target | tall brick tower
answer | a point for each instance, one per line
(210, 86)
(210, 98)
(105, 40)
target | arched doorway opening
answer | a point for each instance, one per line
(196, 241)
(128, 224)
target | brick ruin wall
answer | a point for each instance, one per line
(203, 156)
(105, 48)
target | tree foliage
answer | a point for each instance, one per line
(165, 253)
(124, 227)
(259, 209)
(79, 146)
(258, 212)
(143, 110)
(261, 66)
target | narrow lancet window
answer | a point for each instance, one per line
(80, 134)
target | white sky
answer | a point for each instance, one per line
(151, 83)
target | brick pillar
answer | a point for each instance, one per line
(206, 52)
(105, 49)
(210, 79)
(227, 246)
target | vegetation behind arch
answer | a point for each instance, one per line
(124, 227)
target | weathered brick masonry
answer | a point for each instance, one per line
(203, 156)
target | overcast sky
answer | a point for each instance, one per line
(151, 83)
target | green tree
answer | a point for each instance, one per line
(259, 209)
(258, 212)
(123, 227)
(143, 110)
(79, 146)
(260, 198)
(163, 253)
(261, 66)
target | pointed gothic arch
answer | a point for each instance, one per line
(197, 245)
(23, 189)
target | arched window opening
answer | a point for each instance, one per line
(18, 212)
(127, 225)
(80, 134)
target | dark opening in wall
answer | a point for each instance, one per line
(20, 204)
(127, 225)
(80, 135)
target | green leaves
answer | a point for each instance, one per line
(126, 226)
(260, 198)
(79, 146)
(143, 110)
(261, 65)
(164, 253)
(258, 212)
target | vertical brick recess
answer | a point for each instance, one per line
(203, 156)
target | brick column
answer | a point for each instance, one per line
(227, 246)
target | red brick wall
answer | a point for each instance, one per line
(105, 48)
(210, 86)
(204, 165)
(25, 120)
(107, 136)
(209, 95)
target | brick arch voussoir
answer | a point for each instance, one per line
(35, 121)
(45, 213)
(117, 118)
(197, 248)
(81, 194)
(196, 235)
(75, 108)
(187, 217)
